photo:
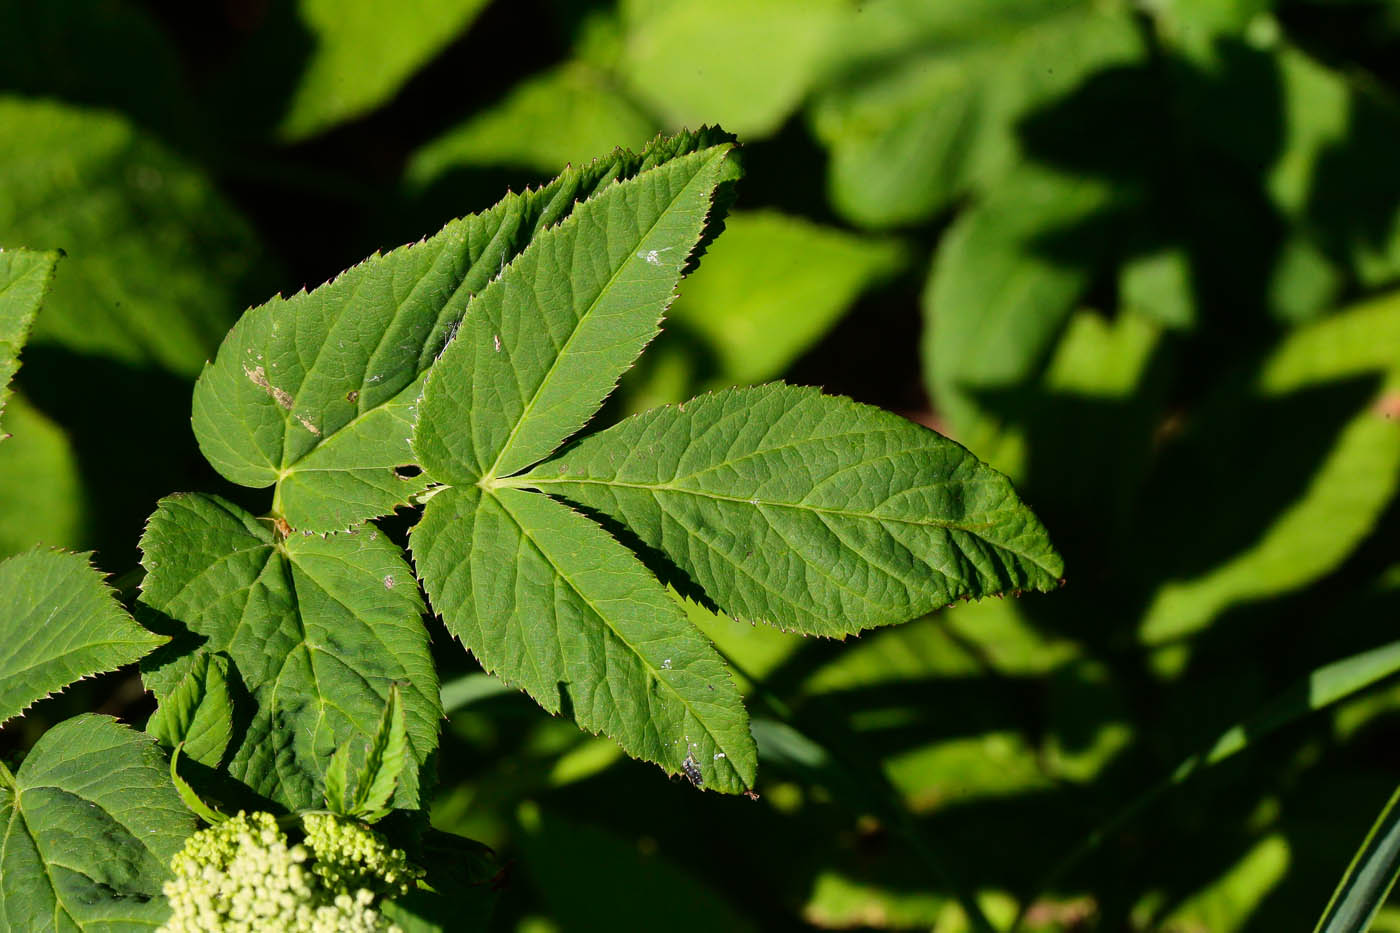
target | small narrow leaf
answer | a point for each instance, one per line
(471, 688)
(546, 342)
(317, 628)
(316, 393)
(812, 512)
(198, 713)
(88, 826)
(59, 623)
(387, 758)
(1321, 688)
(191, 800)
(338, 789)
(24, 280)
(547, 600)
(1368, 879)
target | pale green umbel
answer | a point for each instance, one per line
(246, 875)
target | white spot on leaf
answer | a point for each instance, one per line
(258, 377)
(653, 256)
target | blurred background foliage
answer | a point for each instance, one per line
(1144, 257)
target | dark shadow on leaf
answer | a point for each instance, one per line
(1188, 149)
(182, 644)
(1354, 196)
(1236, 469)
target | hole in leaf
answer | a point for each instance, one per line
(408, 471)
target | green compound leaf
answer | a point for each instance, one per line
(546, 342)
(546, 599)
(24, 280)
(814, 513)
(316, 393)
(198, 712)
(317, 630)
(90, 823)
(59, 623)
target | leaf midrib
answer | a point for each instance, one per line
(490, 474)
(312, 648)
(751, 501)
(651, 668)
(289, 414)
(976, 529)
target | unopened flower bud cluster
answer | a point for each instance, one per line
(244, 876)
